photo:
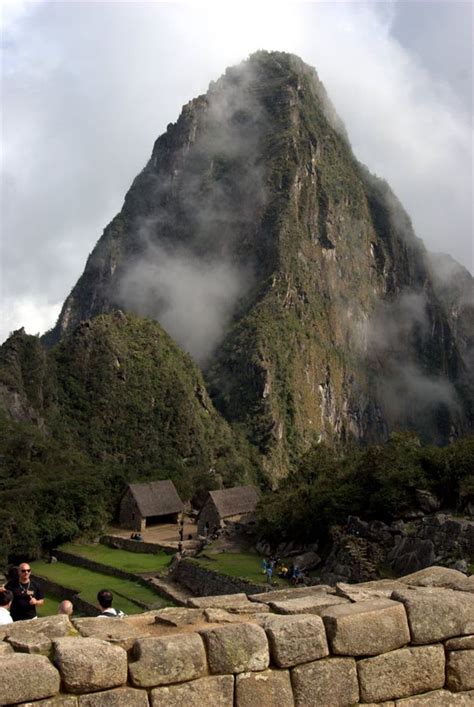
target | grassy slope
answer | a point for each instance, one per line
(89, 583)
(121, 559)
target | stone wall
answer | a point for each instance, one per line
(205, 582)
(132, 545)
(400, 644)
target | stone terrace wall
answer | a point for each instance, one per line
(205, 582)
(392, 643)
(133, 545)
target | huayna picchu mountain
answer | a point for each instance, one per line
(290, 274)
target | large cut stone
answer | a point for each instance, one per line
(367, 627)
(401, 673)
(459, 644)
(331, 681)
(291, 593)
(28, 641)
(120, 697)
(366, 591)
(437, 577)
(439, 698)
(26, 677)
(217, 691)
(270, 688)
(236, 648)
(89, 664)
(168, 659)
(313, 604)
(111, 630)
(436, 614)
(58, 701)
(296, 639)
(221, 616)
(49, 626)
(179, 616)
(237, 603)
(5, 648)
(460, 670)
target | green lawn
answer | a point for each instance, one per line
(121, 559)
(89, 583)
(239, 564)
(50, 606)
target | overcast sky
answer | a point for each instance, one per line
(87, 87)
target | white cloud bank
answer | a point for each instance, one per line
(87, 87)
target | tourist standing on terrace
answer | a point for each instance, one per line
(27, 594)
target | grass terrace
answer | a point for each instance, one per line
(88, 583)
(121, 559)
(239, 564)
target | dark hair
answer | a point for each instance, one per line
(105, 598)
(6, 597)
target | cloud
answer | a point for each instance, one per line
(87, 88)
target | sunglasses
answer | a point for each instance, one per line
(25, 570)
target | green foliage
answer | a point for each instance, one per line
(376, 482)
(114, 402)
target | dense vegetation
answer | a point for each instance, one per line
(376, 482)
(114, 402)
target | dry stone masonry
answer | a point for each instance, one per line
(407, 643)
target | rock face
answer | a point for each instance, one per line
(256, 186)
(27, 677)
(90, 664)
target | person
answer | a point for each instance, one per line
(264, 565)
(105, 599)
(66, 607)
(6, 598)
(27, 594)
(269, 573)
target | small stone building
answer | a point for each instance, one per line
(235, 504)
(148, 504)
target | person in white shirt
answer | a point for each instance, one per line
(6, 598)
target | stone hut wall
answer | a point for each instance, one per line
(129, 514)
(208, 514)
(356, 647)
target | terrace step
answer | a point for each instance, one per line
(171, 590)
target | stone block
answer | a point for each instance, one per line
(5, 648)
(217, 691)
(367, 627)
(437, 577)
(236, 648)
(401, 673)
(366, 591)
(111, 630)
(296, 639)
(30, 642)
(270, 688)
(291, 593)
(460, 670)
(179, 616)
(24, 678)
(221, 616)
(237, 603)
(120, 697)
(58, 701)
(330, 681)
(313, 604)
(459, 644)
(168, 659)
(437, 614)
(439, 698)
(89, 664)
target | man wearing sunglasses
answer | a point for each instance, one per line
(27, 594)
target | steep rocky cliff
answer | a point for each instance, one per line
(290, 273)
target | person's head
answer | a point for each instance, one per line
(6, 598)
(105, 598)
(66, 607)
(24, 572)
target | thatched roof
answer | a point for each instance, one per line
(156, 498)
(235, 501)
